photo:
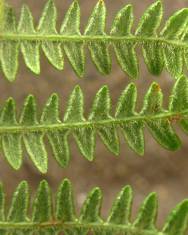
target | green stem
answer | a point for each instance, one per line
(59, 225)
(90, 38)
(93, 124)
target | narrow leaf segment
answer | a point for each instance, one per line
(166, 49)
(54, 219)
(30, 131)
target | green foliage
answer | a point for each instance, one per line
(167, 49)
(2, 6)
(100, 121)
(53, 220)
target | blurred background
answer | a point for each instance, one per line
(159, 170)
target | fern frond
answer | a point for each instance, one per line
(168, 49)
(100, 121)
(49, 219)
(2, 12)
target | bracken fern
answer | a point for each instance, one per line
(50, 220)
(100, 121)
(167, 49)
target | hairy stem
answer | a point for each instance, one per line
(76, 225)
(69, 38)
(93, 124)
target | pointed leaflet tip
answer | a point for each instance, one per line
(18, 209)
(28, 115)
(131, 86)
(43, 185)
(50, 112)
(10, 102)
(90, 211)
(101, 2)
(126, 103)
(77, 89)
(96, 193)
(66, 182)
(24, 186)
(148, 212)
(42, 204)
(71, 22)
(65, 209)
(124, 16)
(8, 114)
(76, 3)
(30, 99)
(54, 97)
(104, 90)
(121, 209)
(150, 21)
(74, 110)
(177, 221)
(101, 105)
(175, 25)
(47, 23)
(155, 87)
(49, 4)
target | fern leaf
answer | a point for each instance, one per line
(30, 50)
(9, 49)
(124, 200)
(2, 13)
(33, 140)
(47, 219)
(57, 139)
(148, 213)
(101, 111)
(148, 26)
(177, 220)
(161, 129)
(173, 30)
(99, 50)
(150, 21)
(19, 207)
(179, 100)
(42, 211)
(47, 25)
(100, 122)
(166, 49)
(65, 208)
(125, 52)
(11, 143)
(84, 137)
(126, 108)
(74, 50)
